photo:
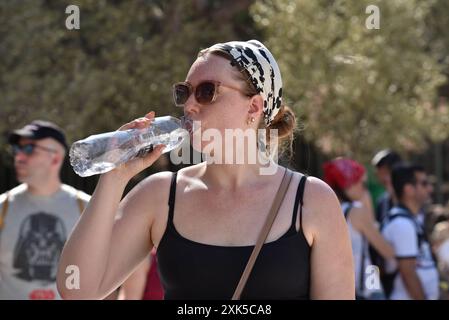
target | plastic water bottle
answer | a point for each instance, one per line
(101, 153)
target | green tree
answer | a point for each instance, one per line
(358, 90)
(118, 66)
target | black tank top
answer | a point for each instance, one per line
(192, 270)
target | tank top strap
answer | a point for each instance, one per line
(299, 200)
(171, 198)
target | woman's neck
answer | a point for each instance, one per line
(235, 176)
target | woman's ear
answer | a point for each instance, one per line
(255, 106)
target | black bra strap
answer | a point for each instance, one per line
(299, 199)
(171, 199)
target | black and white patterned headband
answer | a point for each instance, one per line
(264, 72)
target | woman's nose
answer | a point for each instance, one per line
(191, 106)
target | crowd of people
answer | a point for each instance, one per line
(138, 248)
(393, 237)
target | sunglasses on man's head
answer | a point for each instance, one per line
(205, 92)
(28, 149)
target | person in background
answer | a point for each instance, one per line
(134, 288)
(37, 216)
(384, 161)
(413, 273)
(153, 288)
(144, 283)
(346, 177)
(440, 246)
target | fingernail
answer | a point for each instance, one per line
(149, 115)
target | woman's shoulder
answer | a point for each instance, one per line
(192, 171)
(151, 190)
(318, 196)
(321, 203)
(318, 191)
(157, 179)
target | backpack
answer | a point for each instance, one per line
(387, 278)
(383, 206)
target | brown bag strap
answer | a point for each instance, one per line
(264, 232)
(4, 211)
(79, 201)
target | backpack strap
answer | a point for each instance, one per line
(347, 210)
(4, 211)
(387, 279)
(362, 264)
(80, 201)
(421, 236)
(420, 233)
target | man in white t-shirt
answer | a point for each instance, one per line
(37, 216)
(414, 269)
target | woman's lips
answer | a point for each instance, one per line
(187, 124)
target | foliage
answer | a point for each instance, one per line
(359, 90)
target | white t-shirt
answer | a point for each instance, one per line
(34, 232)
(360, 253)
(402, 234)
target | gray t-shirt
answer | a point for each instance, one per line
(34, 231)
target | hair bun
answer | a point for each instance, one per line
(284, 122)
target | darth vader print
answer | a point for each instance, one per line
(36, 253)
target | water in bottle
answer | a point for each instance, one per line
(103, 152)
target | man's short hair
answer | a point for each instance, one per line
(403, 174)
(386, 158)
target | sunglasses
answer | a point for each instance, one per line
(423, 183)
(205, 92)
(29, 148)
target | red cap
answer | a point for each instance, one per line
(342, 172)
